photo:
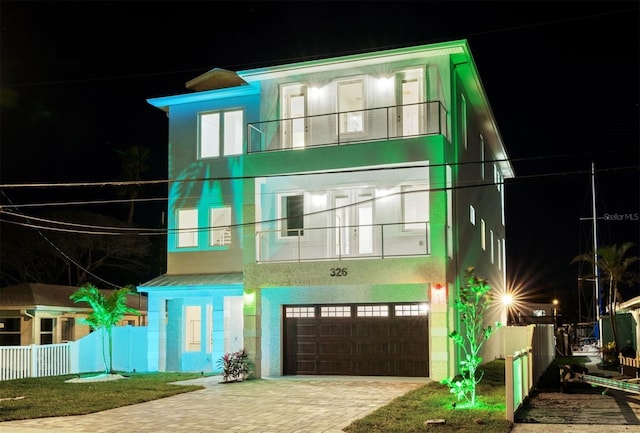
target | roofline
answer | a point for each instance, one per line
(357, 60)
(164, 102)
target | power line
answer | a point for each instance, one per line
(114, 230)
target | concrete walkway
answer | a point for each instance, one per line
(280, 405)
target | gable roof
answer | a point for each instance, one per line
(32, 295)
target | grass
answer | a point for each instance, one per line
(408, 413)
(51, 396)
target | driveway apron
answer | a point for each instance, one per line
(278, 405)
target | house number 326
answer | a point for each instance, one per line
(338, 272)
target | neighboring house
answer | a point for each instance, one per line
(32, 313)
(321, 214)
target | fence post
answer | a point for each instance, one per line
(508, 384)
(33, 352)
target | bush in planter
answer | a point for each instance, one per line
(235, 366)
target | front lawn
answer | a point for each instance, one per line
(408, 413)
(51, 396)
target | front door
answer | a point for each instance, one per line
(294, 127)
(353, 233)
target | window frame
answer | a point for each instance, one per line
(183, 232)
(228, 139)
(218, 233)
(284, 229)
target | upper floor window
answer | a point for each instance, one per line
(415, 207)
(220, 226)
(292, 215)
(497, 177)
(187, 228)
(220, 133)
(350, 104)
(483, 234)
(472, 215)
(482, 150)
(463, 121)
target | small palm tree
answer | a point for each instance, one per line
(614, 264)
(107, 312)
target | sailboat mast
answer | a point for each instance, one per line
(596, 271)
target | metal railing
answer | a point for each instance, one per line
(347, 242)
(374, 124)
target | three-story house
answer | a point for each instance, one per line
(322, 214)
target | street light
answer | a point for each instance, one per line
(555, 313)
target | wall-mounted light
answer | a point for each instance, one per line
(385, 83)
(249, 298)
(438, 294)
(314, 92)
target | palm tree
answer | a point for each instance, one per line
(614, 265)
(134, 165)
(107, 312)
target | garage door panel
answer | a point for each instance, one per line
(377, 346)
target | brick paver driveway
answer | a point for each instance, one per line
(282, 405)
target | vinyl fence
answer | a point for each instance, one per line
(523, 368)
(76, 357)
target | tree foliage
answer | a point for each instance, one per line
(471, 306)
(107, 313)
(88, 243)
(614, 264)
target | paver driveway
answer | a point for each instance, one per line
(282, 405)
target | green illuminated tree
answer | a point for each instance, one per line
(613, 262)
(107, 312)
(473, 303)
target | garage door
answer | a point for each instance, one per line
(359, 339)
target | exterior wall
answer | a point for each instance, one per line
(167, 327)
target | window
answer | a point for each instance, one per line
(415, 207)
(299, 312)
(483, 234)
(67, 326)
(497, 177)
(373, 311)
(335, 311)
(499, 254)
(292, 215)
(411, 310)
(491, 240)
(482, 150)
(220, 226)
(472, 215)
(350, 102)
(10, 331)
(192, 328)
(46, 331)
(221, 133)
(463, 120)
(187, 228)
(449, 211)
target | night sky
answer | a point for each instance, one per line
(562, 78)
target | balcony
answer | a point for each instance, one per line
(375, 241)
(375, 124)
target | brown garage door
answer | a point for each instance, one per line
(359, 340)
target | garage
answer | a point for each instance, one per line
(357, 339)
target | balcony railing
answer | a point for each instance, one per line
(374, 124)
(344, 242)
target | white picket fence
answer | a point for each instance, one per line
(18, 362)
(75, 357)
